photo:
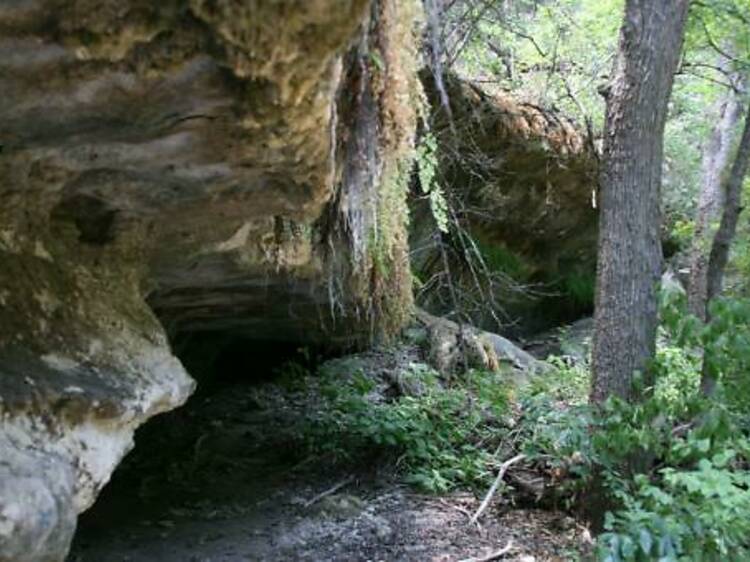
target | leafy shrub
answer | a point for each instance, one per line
(693, 502)
(568, 381)
(677, 463)
(558, 438)
(682, 232)
(724, 341)
(677, 376)
(441, 435)
(690, 500)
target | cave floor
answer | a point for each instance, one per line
(222, 479)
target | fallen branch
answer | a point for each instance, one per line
(329, 491)
(491, 492)
(492, 556)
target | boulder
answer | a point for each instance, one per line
(521, 180)
(453, 347)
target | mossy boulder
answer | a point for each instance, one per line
(521, 180)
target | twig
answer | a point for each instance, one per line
(682, 429)
(492, 556)
(491, 492)
(715, 45)
(329, 491)
(456, 507)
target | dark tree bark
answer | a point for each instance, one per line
(722, 242)
(716, 156)
(629, 252)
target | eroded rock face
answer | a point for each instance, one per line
(521, 180)
(208, 158)
(526, 175)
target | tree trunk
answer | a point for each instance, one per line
(719, 256)
(629, 252)
(711, 201)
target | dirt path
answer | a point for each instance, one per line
(220, 480)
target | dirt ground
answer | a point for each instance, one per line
(222, 480)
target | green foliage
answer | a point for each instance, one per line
(737, 279)
(738, 272)
(579, 287)
(555, 52)
(715, 28)
(427, 166)
(693, 501)
(559, 54)
(720, 24)
(499, 259)
(677, 464)
(678, 375)
(682, 232)
(441, 435)
(554, 428)
(725, 342)
(567, 382)
(559, 436)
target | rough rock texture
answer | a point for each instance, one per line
(521, 180)
(452, 347)
(204, 157)
(526, 175)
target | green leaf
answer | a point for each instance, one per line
(644, 539)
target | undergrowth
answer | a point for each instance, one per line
(686, 499)
(690, 501)
(440, 435)
(568, 382)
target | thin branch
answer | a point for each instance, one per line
(461, 44)
(731, 77)
(715, 46)
(704, 77)
(491, 492)
(329, 491)
(523, 35)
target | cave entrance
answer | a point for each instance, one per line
(229, 476)
(217, 360)
(207, 471)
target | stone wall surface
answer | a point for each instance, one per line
(181, 165)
